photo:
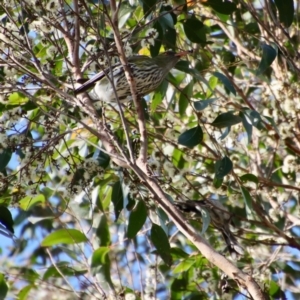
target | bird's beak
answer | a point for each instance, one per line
(183, 53)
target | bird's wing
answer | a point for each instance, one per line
(91, 82)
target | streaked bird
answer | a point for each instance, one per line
(147, 72)
(220, 219)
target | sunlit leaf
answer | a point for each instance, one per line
(100, 263)
(64, 236)
(3, 287)
(184, 265)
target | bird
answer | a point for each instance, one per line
(220, 219)
(148, 73)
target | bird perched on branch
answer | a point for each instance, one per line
(220, 219)
(148, 73)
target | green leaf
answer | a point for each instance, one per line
(217, 182)
(248, 200)
(254, 118)
(191, 137)
(100, 264)
(268, 56)
(212, 83)
(226, 119)
(159, 95)
(6, 218)
(185, 97)
(102, 231)
(195, 30)
(223, 167)
(166, 21)
(137, 219)
(161, 243)
(163, 217)
(227, 83)
(103, 159)
(5, 157)
(185, 265)
(28, 202)
(274, 288)
(180, 284)
(178, 253)
(286, 11)
(117, 198)
(201, 105)
(3, 287)
(24, 292)
(249, 177)
(17, 99)
(178, 158)
(64, 236)
(223, 7)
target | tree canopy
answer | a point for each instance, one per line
(88, 188)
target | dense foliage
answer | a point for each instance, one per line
(92, 219)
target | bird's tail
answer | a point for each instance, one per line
(234, 248)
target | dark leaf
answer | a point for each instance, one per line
(5, 157)
(225, 133)
(201, 105)
(102, 231)
(117, 198)
(6, 218)
(227, 83)
(161, 243)
(286, 11)
(226, 120)
(223, 167)
(148, 6)
(268, 56)
(195, 30)
(103, 159)
(249, 177)
(191, 137)
(223, 7)
(137, 219)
